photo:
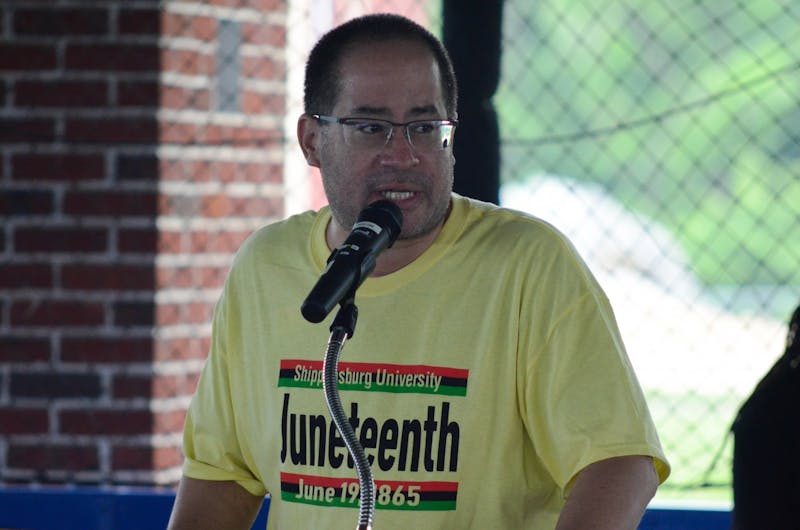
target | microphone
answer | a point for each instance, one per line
(376, 229)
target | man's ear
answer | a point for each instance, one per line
(308, 138)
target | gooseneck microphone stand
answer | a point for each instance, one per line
(342, 328)
(376, 228)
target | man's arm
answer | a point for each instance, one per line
(610, 494)
(209, 504)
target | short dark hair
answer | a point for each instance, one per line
(322, 79)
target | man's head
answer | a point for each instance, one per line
(322, 77)
(384, 72)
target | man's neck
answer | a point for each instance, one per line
(399, 255)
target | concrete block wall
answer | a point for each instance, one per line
(140, 143)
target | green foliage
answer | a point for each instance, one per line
(686, 113)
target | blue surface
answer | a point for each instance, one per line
(76, 508)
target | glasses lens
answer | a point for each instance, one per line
(366, 134)
(430, 135)
(424, 135)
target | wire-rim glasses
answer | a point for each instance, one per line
(375, 134)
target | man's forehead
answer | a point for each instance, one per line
(375, 80)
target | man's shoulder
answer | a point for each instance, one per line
(284, 237)
(508, 224)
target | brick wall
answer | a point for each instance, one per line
(138, 147)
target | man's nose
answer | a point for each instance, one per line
(399, 150)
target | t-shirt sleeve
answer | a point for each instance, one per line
(582, 400)
(211, 447)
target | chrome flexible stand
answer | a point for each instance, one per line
(342, 328)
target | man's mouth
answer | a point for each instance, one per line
(397, 195)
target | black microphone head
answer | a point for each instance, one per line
(377, 227)
(385, 214)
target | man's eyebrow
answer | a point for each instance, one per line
(366, 110)
(370, 111)
(424, 110)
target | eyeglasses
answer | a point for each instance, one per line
(373, 134)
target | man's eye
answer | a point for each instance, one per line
(425, 127)
(370, 128)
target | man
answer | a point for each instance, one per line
(487, 381)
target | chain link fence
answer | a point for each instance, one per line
(663, 138)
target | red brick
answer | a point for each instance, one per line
(218, 206)
(240, 136)
(52, 22)
(179, 205)
(186, 170)
(263, 69)
(210, 277)
(110, 203)
(153, 386)
(26, 276)
(26, 130)
(27, 57)
(145, 457)
(134, 314)
(53, 457)
(24, 420)
(132, 457)
(138, 94)
(104, 422)
(169, 422)
(187, 62)
(179, 133)
(197, 312)
(111, 350)
(263, 173)
(137, 240)
(170, 242)
(114, 277)
(58, 167)
(183, 98)
(133, 21)
(50, 385)
(195, 27)
(258, 103)
(113, 57)
(217, 242)
(111, 130)
(169, 277)
(26, 202)
(56, 313)
(264, 34)
(60, 239)
(183, 313)
(181, 349)
(60, 93)
(139, 168)
(168, 315)
(131, 386)
(24, 349)
(166, 457)
(264, 6)
(169, 386)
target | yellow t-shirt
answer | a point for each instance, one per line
(480, 380)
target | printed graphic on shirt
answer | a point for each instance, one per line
(425, 440)
(389, 495)
(377, 377)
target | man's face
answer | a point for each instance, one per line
(400, 82)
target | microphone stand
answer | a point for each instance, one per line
(342, 328)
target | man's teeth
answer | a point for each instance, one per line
(397, 195)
